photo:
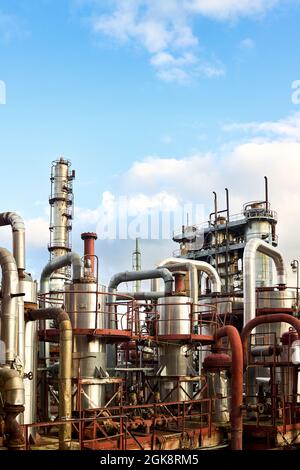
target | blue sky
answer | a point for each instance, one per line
(110, 84)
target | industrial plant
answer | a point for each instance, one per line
(206, 358)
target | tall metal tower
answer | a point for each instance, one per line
(61, 214)
(137, 264)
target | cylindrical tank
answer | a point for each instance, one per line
(89, 353)
(269, 335)
(174, 315)
(175, 360)
(259, 225)
(61, 201)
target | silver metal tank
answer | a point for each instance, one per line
(175, 360)
(174, 315)
(219, 386)
(61, 214)
(270, 333)
(89, 353)
(259, 225)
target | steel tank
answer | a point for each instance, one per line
(174, 360)
(259, 225)
(270, 334)
(86, 310)
(174, 315)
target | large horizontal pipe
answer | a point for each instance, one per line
(18, 232)
(9, 304)
(249, 275)
(70, 259)
(65, 368)
(128, 276)
(237, 384)
(263, 319)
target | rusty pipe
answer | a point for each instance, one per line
(89, 247)
(65, 368)
(237, 384)
(275, 318)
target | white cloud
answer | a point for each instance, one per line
(11, 27)
(169, 182)
(37, 232)
(165, 29)
(287, 128)
(210, 70)
(247, 43)
(230, 9)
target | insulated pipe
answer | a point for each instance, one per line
(193, 266)
(237, 384)
(18, 231)
(275, 318)
(70, 259)
(249, 274)
(128, 276)
(201, 266)
(9, 304)
(65, 368)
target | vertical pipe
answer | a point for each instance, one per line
(266, 192)
(227, 242)
(89, 247)
(227, 203)
(215, 206)
(179, 282)
(9, 304)
(237, 384)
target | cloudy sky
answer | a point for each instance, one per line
(159, 101)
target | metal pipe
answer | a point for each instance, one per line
(179, 282)
(70, 259)
(274, 318)
(18, 232)
(193, 266)
(89, 247)
(141, 295)
(65, 368)
(266, 192)
(249, 275)
(9, 304)
(128, 276)
(237, 384)
(227, 203)
(215, 206)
